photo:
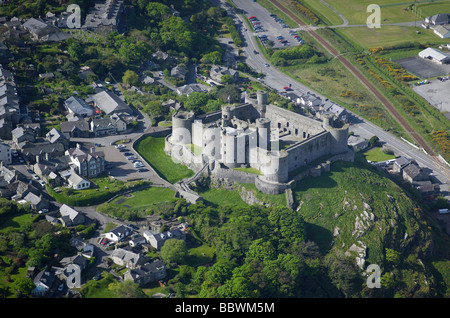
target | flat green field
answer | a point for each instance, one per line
(152, 149)
(146, 197)
(377, 155)
(389, 35)
(429, 9)
(356, 10)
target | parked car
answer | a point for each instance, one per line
(43, 211)
(131, 157)
(126, 154)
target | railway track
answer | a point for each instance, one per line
(374, 90)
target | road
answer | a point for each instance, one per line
(277, 80)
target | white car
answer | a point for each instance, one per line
(42, 183)
(35, 176)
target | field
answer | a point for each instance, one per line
(389, 35)
(356, 10)
(152, 149)
(146, 197)
(377, 155)
(333, 80)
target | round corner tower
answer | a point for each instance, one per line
(182, 127)
(338, 133)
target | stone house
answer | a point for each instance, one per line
(146, 273)
(157, 240)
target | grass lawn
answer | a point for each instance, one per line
(429, 9)
(16, 222)
(222, 197)
(152, 149)
(200, 255)
(377, 155)
(147, 197)
(356, 10)
(328, 16)
(99, 289)
(389, 35)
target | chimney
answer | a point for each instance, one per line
(78, 146)
(37, 158)
(47, 156)
(92, 149)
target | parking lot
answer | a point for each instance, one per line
(436, 93)
(423, 68)
(272, 29)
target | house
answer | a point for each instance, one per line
(188, 89)
(118, 234)
(5, 153)
(32, 151)
(158, 240)
(293, 97)
(442, 31)
(434, 55)
(41, 31)
(110, 103)
(413, 173)
(310, 100)
(146, 273)
(108, 126)
(70, 217)
(78, 259)
(104, 16)
(178, 72)
(36, 202)
(438, 19)
(75, 129)
(357, 143)
(102, 127)
(399, 164)
(78, 106)
(43, 281)
(86, 163)
(54, 136)
(127, 258)
(77, 182)
(137, 240)
(21, 134)
(8, 176)
(163, 57)
(88, 251)
(217, 72)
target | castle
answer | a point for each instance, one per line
(273, 142)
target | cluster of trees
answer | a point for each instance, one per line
(260, 252)
(31, 244)
(297, 54)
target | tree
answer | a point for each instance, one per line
(373, 141)
(393, 257)
(174, 250)
(130, 77)
(227, 79)
(76, 50)
(24, 285)
(127, 289)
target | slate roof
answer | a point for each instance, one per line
(78, 106)
(110, 103)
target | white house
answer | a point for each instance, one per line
(118, 234)
(77, 182)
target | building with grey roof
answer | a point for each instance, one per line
(41, 31)
(70, 217)
(110, 103)
(157, 240)
(78, 106)
(75, 129)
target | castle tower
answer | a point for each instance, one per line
(338, 133)
(261, 97)
(226, 116)
(263, 129)
(182, 127)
